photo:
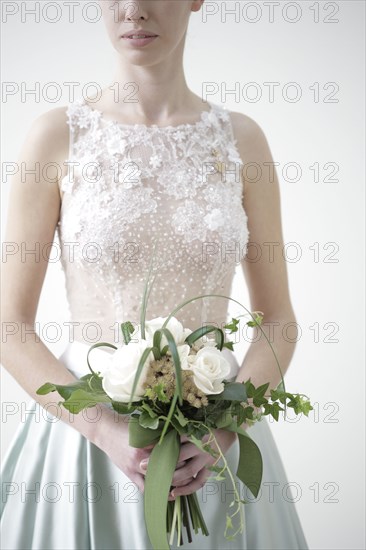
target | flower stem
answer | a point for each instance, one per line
(171, 540)
(179, 514)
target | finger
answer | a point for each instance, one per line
(191, 469)
(170, 497)
(187, 451)
(142, 469)
(184, 482)
(192, 487)
(145, 462)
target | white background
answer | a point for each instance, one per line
(323, 454)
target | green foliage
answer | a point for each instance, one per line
(228, 345)
(176, 360)
(233, 391)
(94, 346)
(80, 395)
(183, 421)
(202, 331)
(127, 329)
(157, 392)
(122, 408)
(233, 326)
(256, 319)
(257, 394)
(160, 470)
(140, 366)
(148, 421)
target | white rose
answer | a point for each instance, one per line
(183, 352)
(209, 368)
(120, 373)
(176, 328)
(204, 341)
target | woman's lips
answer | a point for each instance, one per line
(138, 41)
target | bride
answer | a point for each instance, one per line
(168, 165)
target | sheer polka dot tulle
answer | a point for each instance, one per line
(130, 186)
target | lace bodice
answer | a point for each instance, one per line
(128, 185)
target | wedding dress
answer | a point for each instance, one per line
(131, 188)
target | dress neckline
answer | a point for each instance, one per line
(204, 116)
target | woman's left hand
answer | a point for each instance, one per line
(194, 473)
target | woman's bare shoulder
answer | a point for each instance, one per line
(247, 131)
(50, 130)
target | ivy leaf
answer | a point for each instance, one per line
(233, 326)
(228, 345)
(258, 395)
(257, 319)
(275, 408)
(306, 407)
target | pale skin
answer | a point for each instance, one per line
(34, 209)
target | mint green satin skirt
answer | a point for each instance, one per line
(61, 492)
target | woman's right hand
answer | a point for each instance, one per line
(112, 438)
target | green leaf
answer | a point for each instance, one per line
(80, 400)
(176, 360)
(233, 391)
(257, 319)
(147, 421)
(250, 467)
(170, 415)
(140, 437)
(98, 345)
(225, 419)
(160, 470)
(46, 388)
(306, 407)
(228, 345)
(183, 421)
(157, 392)
(140, 366)
(122, 408)
(90, 383)
(233, 326)
(164, 350)
(229, 523)
(202, 331)
(145, 406)
(127, 328)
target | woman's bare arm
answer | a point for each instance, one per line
(266, 276)
(33, 214)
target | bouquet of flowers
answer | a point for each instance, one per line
(173, 382)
